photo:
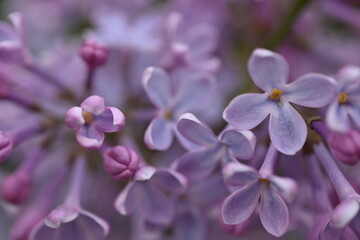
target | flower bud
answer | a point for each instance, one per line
(6, 146)
(93, 53)
(16, 188)
(121, 162)
(345, 146)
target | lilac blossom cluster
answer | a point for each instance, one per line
(180, 120)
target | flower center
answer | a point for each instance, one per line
(276, 94)
(88, 117)
(167, 115)
(264, 180)
(343, 97)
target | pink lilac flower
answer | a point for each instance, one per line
(287, 129)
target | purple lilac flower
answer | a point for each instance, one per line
(171, 101)
(287, 129)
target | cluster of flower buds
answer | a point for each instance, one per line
(221, 140)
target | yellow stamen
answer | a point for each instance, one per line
(343, 97)
(167, 115)
(263, 180)
(276, 94)
(88, 117)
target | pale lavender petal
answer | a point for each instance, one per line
(62, 214)
(202, 39)
(155, 206)
(93, 104)
(312, 90)
(287, 129)
(237, 174)
(195, 131)
(190, 225)
(274, 214)
(111, 120)
(344, 213)
(101, 222)
(268, 70)
(89, 137)
(10, 52)
(144, 173)
(240, 143)
(337, 118)
(128, 199)
(169, 180)
(194, 93)
(185, 143)
(158, 134)
(286, 187)
(74, 118)
(248, 110)
(354, 113)
(241, 204)
(197, 165)
(331, 233)
(157, 85)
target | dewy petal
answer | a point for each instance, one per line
(155, 206)
(240, 143)
(111, 120)
(286, 187)
(344, 213)
(93, 104)
(337, 118)
(312, 90)
(195, 131)
(287, 129)
(194, 93)
(74, 118)
(237, 174)
(157, 85)
(198, 164)
(248, 110)
(274, 214)
(169, 180)
(268, 70)
(241, 204)
(127, 200)
(158, 134)
(90, 137)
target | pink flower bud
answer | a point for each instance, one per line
(16, 188)
(94, 53)
(6, 146)
(345, 146)
(121, 162)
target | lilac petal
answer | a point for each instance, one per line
(194, 93)
(190, 225)
(89, 137)
(354, 113)
(155, 206)
(287, 129)
(74, 118)
(62, 214)
(10, 52)
(336, 117)
(169, 180)
(312, 90)
(248, 110)
(101, 222)
(241, 204)
(344, 213)
(240, 143)
(157, 85)
(274, 214)
(202, 39)
(330, 233)
(93, 104)
(185, 143)
(111, 120)
(144, 173)
(198, 164)
(268, 70)
(237, 174)
(158, 134)
(286, 187)
(193, 130)
(127, 200)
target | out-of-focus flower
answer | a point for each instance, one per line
(94, 53)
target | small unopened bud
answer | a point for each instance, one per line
(6, 146)
(121, 162)
(16, 187)
(93, 53)
(345, 146)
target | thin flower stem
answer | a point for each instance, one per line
(73, 197)
(21, 134)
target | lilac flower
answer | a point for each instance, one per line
(6, 146)
(253, 186)
(287, 129)
(91, 119)
(172, 100)
(346, 105)
(145, 194)
(57, 224)
(232, 144)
